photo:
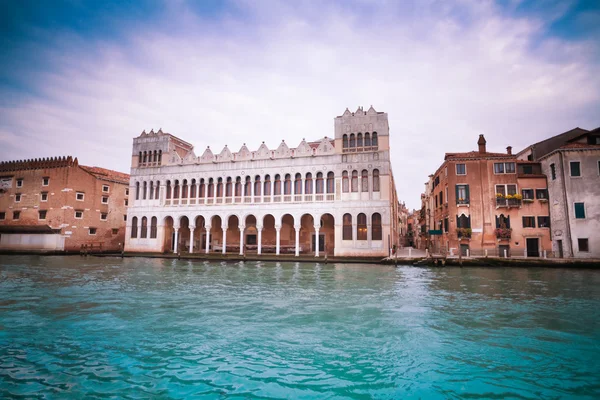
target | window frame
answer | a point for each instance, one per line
(532, 218)
(82, 196)
(540, 225)
(46, 181)
(587, 244)
(553, 171)
(107, 189)
(90, 231)
(575, 209)
(16, 213)
(571, 169)
(105, 215)
(2, 215)
(75, 214)
(42, 199)
(527, 190)
(40, 215)
(456, 169)
(19, 182)
(104, 198)
(18, 197)
(541, 190)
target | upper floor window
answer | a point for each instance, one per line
(92, 231)
(105, 188)
(347, 227)
(462, 194)
(104, 199)
(103, 216)
(20, 182)
(544, 222)
(528, 222)
(376, 231)
(2, 216)
(17, 197)
(16, 215)
(44, 196)
(575, 168)
(527, 194)
(345, 183)
(354, 181)
(541, 194)
(376, 180)
(330, 182)
(78, 214)
(365, 181)
(504, 168)
(45, 181)
(553, 171)
(461, 169)
(79, 196)
(42, 214)
(583, 244)
(579, 210)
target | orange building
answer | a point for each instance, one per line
(487, 203)
(55, 204)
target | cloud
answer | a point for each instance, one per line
(258, 71)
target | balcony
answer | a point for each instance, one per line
(462, 202)
(463, 233)
(510, 200)
(503, 233)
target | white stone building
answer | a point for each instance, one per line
(333, 196)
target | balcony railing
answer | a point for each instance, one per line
(298, 198)
(508, 202)
(503, 233)
(463, 233)
(462, 202)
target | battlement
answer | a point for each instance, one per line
(38, 163)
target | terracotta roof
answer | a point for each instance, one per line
(38, 163)
(476, 154)
(576, 145)
(107, 174)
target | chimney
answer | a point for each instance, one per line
(509, 150)
(481, 142)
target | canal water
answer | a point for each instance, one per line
(74, 327)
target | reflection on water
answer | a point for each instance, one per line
(138, 328)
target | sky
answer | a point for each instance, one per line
(83, 78)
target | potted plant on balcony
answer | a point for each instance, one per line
(503, 233)
(463, 232)
(514, 199)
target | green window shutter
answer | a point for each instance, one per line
(458, 222)
(497, 222)
(508, 222)
(579, 210)
(467, 193)
(456, 191)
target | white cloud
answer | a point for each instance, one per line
(444, 75)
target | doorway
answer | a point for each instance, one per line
(560, 249)
(504, 250)
(533, 247)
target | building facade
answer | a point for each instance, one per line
(487, 203)
(333, 196)
(573, 171)
(55, 204)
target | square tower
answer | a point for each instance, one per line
(361, 131)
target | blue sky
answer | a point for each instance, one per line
(84, 77)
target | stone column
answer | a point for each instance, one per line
(192, 227)
(317, 241)
(354, 236)
(297, 228)
(277, 230)
(369, 234)
(207, 239)
(224, 228)
(215, 191)
(242, 228)
(175, 245)
(259, 229)
(272, 184)
(314, 186)
(252, 182)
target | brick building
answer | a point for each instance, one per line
(480, 201)
(55, 204)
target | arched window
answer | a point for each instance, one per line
(144, 232)
(345, 141)
(364, 181)
(376, 232)
(137, 190)
(277, 188)
(238, 186)
(361, 227)
(287, 184)
(359, 140)
(374, 139)
(376, 180)
(155, 159)
(159, 157)
(320, 183)
(352, 140)
(463, 221)
(176, 190)
(157, 190)
(153, 228)
(151, 190)
(267, 191)
(298, 184)
(330, 182)
(347, 229)
(367, 140)
(140, 159)
(145, 157)
(134, 227)
(220, 187)
(257, 185)
(211, 188)
(345, 183)
(201, 189)
(193, 189)
(503, 222)
(184, 189)
(169, 194)
(145, 191)
(229, 187)
(308, 184)
(248, 186)
(355, 181)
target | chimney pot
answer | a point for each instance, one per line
(509, 150)
(481, 143)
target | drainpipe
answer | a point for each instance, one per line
(564, 190)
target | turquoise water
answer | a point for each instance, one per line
(74, 327)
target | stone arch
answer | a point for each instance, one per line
(327, 223)
(269, 233)
(287, 234)
(216, 233)
(307, 231)
(168, 224)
